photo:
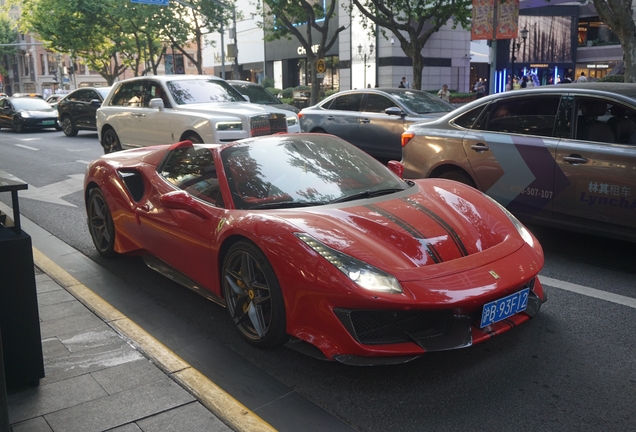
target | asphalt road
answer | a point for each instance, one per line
(572, 368)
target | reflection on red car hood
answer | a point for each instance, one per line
(433, 232)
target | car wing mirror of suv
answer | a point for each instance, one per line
(96, 102)
(395, 111)
(156, 103)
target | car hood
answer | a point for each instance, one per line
(243, 109)
(439, 229)
(41, 113)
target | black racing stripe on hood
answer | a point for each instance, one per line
(430, 249)
(449, 229)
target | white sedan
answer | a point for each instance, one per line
(146, 111)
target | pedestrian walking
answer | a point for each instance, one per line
(444, 93)
(404, 83)
(582, 78)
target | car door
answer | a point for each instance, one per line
(380, 134)
(87, 109)
(155, 125)
(183, 237)
(342, 117)
(512, 155)
(6, 113)
(123, 113)
(599, 162)
(77, 107)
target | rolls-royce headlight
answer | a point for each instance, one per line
(229, 126)
(292, 120)
(363, 274)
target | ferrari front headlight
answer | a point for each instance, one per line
(521, 229)
(363, 274)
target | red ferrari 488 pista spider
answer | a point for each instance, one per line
(307, 240)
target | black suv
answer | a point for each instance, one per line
(77, 110)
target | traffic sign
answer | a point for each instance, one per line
(152, 2)
(321, 66)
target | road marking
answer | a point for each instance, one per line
(590, 292)
(78, 150)
(83, 161)
(51, 193)
(26, 147)
(222, 404)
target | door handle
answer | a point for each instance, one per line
(575, 159)
(329, 117)
(365, 120)
(138, 115)
(480, 148)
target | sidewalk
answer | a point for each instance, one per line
(105, 373)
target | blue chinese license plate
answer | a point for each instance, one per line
(504, 307)
(48, 122)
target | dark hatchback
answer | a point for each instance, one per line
(77, 111)
(21, 113)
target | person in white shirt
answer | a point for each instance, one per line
(444, 93)
(582, 78)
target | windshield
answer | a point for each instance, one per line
(30, 104)
(196, 91)
(421, 102)
(257, 94)
(294, 171)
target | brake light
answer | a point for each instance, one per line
(300, 115)
(406, 137)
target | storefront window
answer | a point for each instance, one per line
(593, 32)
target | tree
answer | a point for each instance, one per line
(619, 16)
(287, 18)
(8, 35)
(413, 22)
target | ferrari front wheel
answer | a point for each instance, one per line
(100, 224)
(253, 296)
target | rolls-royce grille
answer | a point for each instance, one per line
(268, 124)
(384, 327)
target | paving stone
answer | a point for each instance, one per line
(90, 339)
(55, 297)
(75, 323)
(121, 408)
(130, 427)
(49, 398)
(60, 310)
(37, 424)
(190, 417)
(52, 347)
(84, 362)
(127, 376)
(47, 285)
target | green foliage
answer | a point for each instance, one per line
(274, 91)
(8, 34)
(268, 82)
(289, 91)
(613, 78)
(330, 92)
(288, 101)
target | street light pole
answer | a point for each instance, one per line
(516, 46)
(364, 57)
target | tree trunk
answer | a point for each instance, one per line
(418, 65)
(629, 57)
(315, 82)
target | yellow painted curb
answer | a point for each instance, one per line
(232, 412)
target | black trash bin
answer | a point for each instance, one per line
(19, 317)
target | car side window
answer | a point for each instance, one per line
(348, 102)
(129, 94)
(527, 115)
(605, 121)
(156, 91)
(467, 120)
(91, 95)
(192, 169)
(4, 104)
(79, 96)
(377, 103)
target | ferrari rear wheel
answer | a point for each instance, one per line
(100, 224)
(253, 296)
(110, 141)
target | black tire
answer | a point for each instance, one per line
(458, 176)
(68, 126)
(110, 141)
(100, 224)
(253, 296)
(17, 125)
(196, 139)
